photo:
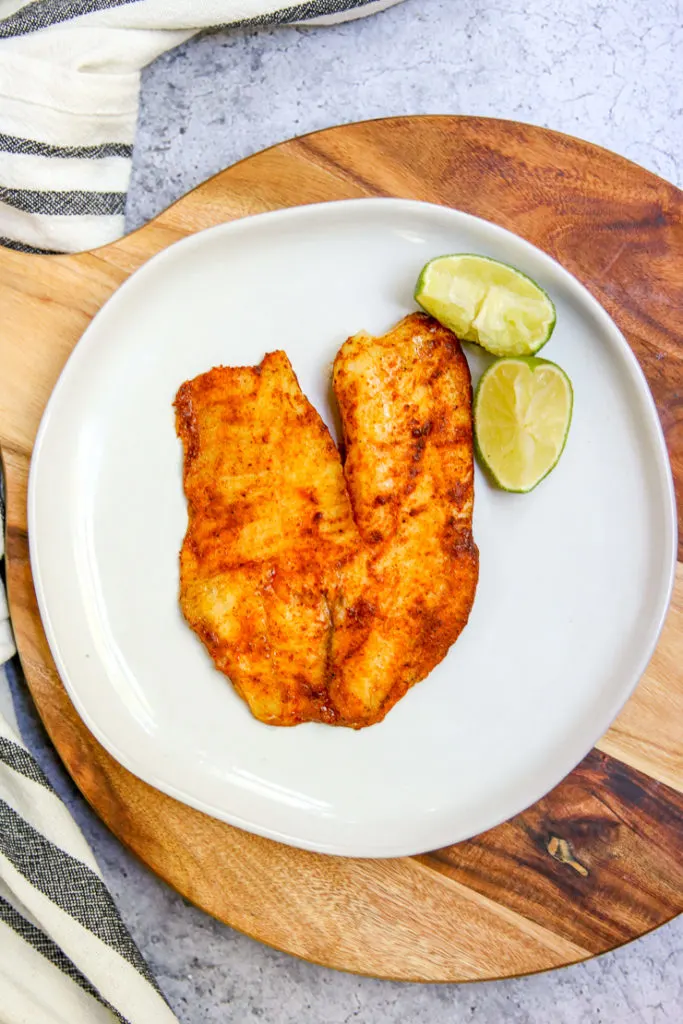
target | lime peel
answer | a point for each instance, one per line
(522, 414)
(487, 302)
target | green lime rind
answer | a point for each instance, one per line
(447, 313)
(532, 362)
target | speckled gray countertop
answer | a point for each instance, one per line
(610, 72)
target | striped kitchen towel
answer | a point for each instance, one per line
(69, 84)
(65, 955)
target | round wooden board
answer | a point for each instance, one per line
(596, 862)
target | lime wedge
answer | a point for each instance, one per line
(487, 302)
(522, 412)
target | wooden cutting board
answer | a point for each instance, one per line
(599, 860)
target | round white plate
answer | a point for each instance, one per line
(575, 577)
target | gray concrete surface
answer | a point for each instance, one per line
(610, 72)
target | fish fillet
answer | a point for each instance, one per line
(325, 590)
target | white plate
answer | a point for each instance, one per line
(575, 577)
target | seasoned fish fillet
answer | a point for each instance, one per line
(324, 592)
(269, 520)
(406, 408)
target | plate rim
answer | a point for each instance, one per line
(664, 586)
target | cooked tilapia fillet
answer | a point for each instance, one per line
(406, 407)
(269, 522)
(324, 592)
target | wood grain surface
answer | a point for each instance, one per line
(599, 860)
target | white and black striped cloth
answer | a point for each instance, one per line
(69, 79)
(69, 83)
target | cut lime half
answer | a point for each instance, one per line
(487, 302)
(522, 413)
